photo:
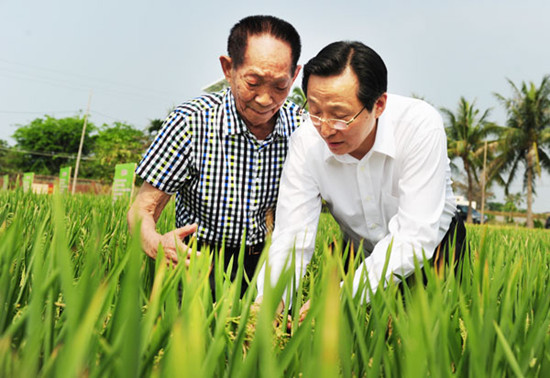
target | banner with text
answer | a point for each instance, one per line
(123, 183)
(64, 179)
(28, 179)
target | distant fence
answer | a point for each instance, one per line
(44, 184)
(541, 216)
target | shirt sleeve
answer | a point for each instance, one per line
(297, 215)
(166, 163)
(414, 230)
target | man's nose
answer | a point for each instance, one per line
(264, 98)
(326, 129)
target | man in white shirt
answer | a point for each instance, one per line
(378, 160)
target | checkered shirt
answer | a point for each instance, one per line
(223, 177)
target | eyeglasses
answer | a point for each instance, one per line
(336, 124)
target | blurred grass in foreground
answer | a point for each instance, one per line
(79, 298)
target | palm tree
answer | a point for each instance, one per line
(154, 126)
(467, 131)
(527, 136)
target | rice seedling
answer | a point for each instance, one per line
(79, 298)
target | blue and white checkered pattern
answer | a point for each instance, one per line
(223, 177)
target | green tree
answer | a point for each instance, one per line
(467, 130)
(527, 136)
(461, 186)
(48, 143)
(298, 96)
(512, 204)
(7, 158)
(119, 143)
(155, 125)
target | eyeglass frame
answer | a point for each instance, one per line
(329, 121)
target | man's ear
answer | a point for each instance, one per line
(296, 72)
(226, 64)
(380, 105)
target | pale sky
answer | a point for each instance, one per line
(141, 58)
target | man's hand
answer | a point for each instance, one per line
(304, 310)
(255, 307)
(146, 208)
(171, 243)
(301, 314)
(280, 307)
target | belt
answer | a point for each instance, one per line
(250, 250)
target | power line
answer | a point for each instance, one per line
(46, 80)
(46, 153)
(102, 83)
(35, 112)
(87, 77)
(104, 115)
(50, 112)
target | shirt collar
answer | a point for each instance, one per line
(385, 140)
(233, 124)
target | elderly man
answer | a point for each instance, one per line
(380, 163)
(222, 153)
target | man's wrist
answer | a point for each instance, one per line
(150, 242)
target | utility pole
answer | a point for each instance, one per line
(483, 184)
(81, 143)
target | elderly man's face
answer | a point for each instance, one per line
(335, 97)
(262, 83)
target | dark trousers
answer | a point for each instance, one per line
(450, 251)
(455, 237)
(250, 262)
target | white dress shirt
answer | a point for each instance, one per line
(399, 191)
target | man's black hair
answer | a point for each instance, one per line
(257, 25)
(367, 65)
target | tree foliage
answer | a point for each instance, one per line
(527, 136)
(8, 158)
(155, 125)
(116, 144)
(467, 131)
(48, 143)
(297, 96)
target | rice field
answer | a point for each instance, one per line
(79, 298)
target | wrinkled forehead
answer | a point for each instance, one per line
(267, 50)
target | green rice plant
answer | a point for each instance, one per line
(78, 297)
